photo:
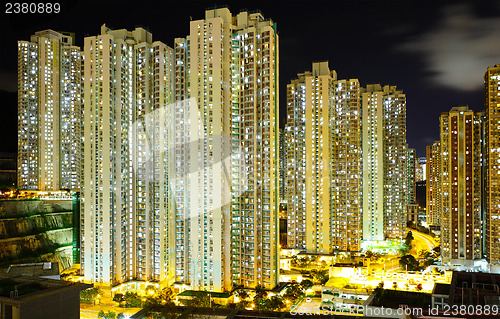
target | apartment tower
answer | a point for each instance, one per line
(126, 208)
(384, 163)
(309, 147)
(492, 166)
(346, 165)
(411, 169)
(433, 191)
(461, 186)
(227, 219)
(49, 112)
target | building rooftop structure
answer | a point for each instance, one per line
(29, 297)
(441, 289)
(48, 270)
(474, 288)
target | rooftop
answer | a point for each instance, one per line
(441, 289)
(395, 298)
(35, 269)
(20, 287)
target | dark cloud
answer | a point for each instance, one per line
(460, 48)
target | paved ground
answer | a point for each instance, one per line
(308, 307)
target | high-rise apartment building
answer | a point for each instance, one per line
(384, 162)
(295, 186)
(433, 189)
(324, 168)
(183, 110)
(411, 176)
(492, 166)
(317, 135)
(373, 163)
(282, 164)
(309, 164)
(461, 182)
(49, 112)
(227, 216)
(126, 206)
(421, 169)
(395, 163)
(346, 165)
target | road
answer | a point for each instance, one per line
(423, 240)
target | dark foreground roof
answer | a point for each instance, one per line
(188, 312)
(20, 287)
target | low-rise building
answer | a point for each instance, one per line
(29, 297)
(440, 295)
(48, 270)
(468, 288)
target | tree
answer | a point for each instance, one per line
(320, 276)
(260, 292)
(276, 303)
(293, 292)
(106, 315)
(119, 298)
(88, 295)
(132, 300)
(436, 251)
(427, 263)
(243, 294)
(306, 284)
(404, 249)
(423, 254)
(409, 262)
(270, 304)
(201, 300)
(409, 238)
(160, 298)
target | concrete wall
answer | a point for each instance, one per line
(17, 207)
(35, 230)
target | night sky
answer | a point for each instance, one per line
(435, 51)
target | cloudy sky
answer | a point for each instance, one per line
(435, 51)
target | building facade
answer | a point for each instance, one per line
(227, 217)
(461, 183)
(411, 169)
(309, 166)
(373, 163)
(433, 187)
(126, 209)
(492, 166)
(49, 112)
(295, 186)
(395, 163)
(180, 149)
(282, 163)
(385, 153)
(346, 165)
(421, 169)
